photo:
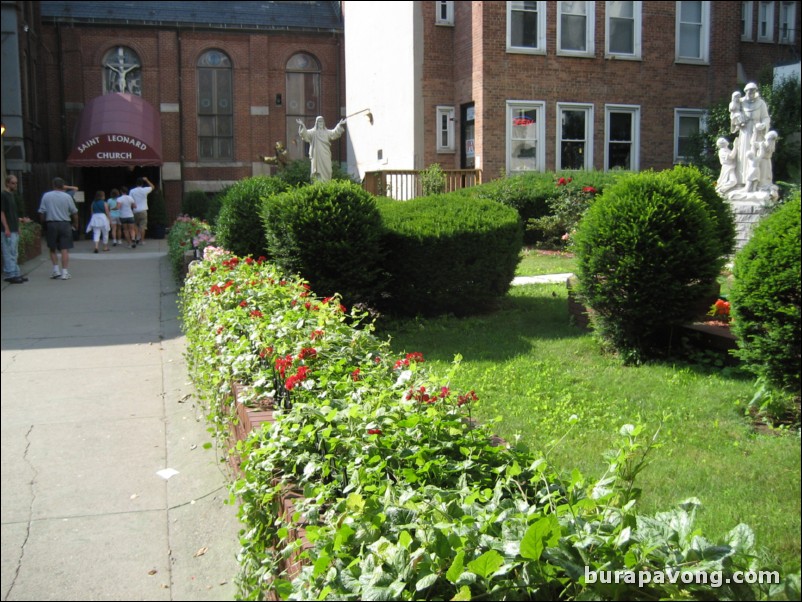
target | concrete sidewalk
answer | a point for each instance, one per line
(95, 402)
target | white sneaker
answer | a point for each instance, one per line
(55, 275)
(65, 275)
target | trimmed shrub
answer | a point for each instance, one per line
(718, 209)
(647, 254)
(195, 204)
(330, 234)
(531, 195)
(766, 298)
(449, 254)
(215, 205)
(239, 223)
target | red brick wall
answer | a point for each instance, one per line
(470, 62)
(72, 75)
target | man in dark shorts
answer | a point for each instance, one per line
(60, 215)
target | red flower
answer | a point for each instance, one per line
(463, 399)
(374, 431)
(256, 314)
(589, 189)
(249, 260)
(316, 334)
(243, 303)
(213, 268)
(355, 375)
(261, 259)
(307, 352)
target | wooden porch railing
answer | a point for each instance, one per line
(402, 184)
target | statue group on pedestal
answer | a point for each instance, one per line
(746, 172)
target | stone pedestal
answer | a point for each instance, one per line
(747, 214)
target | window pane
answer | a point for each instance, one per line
(225, 126)
(573, 123)
(206, 126)
(622, 36)
(205, 91)
(225, 148)
(623, 10)
(690, 12)
(621, 127)
(619, 155)
(524, 29)
(572, 32)
(573, 155)
(689, 40)
(206, 148)
(223, 86)
(524, 156)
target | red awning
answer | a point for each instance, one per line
(117, 130)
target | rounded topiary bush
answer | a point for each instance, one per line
(449, 254)
(239, 223)
(330, 234)
(718, 209)
(646, 255)
(766, 298)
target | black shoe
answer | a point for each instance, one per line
(16, 280)
(24, 278)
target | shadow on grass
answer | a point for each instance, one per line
(511, 330)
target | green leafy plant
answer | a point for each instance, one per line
(400, 493)
(195, 204)
(330, 233)
(647, 253)
(239, 223)
(767, 296)
(188, 235)
(433, 180)
(29, 233)
(565, 212)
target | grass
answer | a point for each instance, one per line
(538, 263)
(533, 370)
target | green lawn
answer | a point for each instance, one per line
(537, 263)
(534, 370)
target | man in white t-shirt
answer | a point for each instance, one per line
(127, 207)
(140, 196)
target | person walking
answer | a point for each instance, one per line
(10, 220)
(140, 195)
(58, 212)
(126, 206)
(99, 224)
(114, 216)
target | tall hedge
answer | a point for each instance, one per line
(647, 254)
(330, 234)
(449, 254)
(239, 223)
(718, 209)
(766, 298)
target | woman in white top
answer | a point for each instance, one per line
(127, 205)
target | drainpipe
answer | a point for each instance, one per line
(64, 144)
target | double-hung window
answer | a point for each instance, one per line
(765, 22)
(526, 133)
(445, 13)
(526, 27)
(788, 22)
(693, 32)
(746, 21)
(623, 30)
(622, 137)
(574, 136)
(575, 23)
(445, 129)
(688, 124)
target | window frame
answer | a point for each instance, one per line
(704, 35)
(448, 20)
(542, 17)
(637, 42)
(588, 153)
(590, 32)
(132, 77)
(634, 155)
(449, 112)
(539, 106)
(747, 17)
(787, 32)
(678, 114)
(217, 137)
(769, 22)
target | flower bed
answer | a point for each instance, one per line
(403, 496)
